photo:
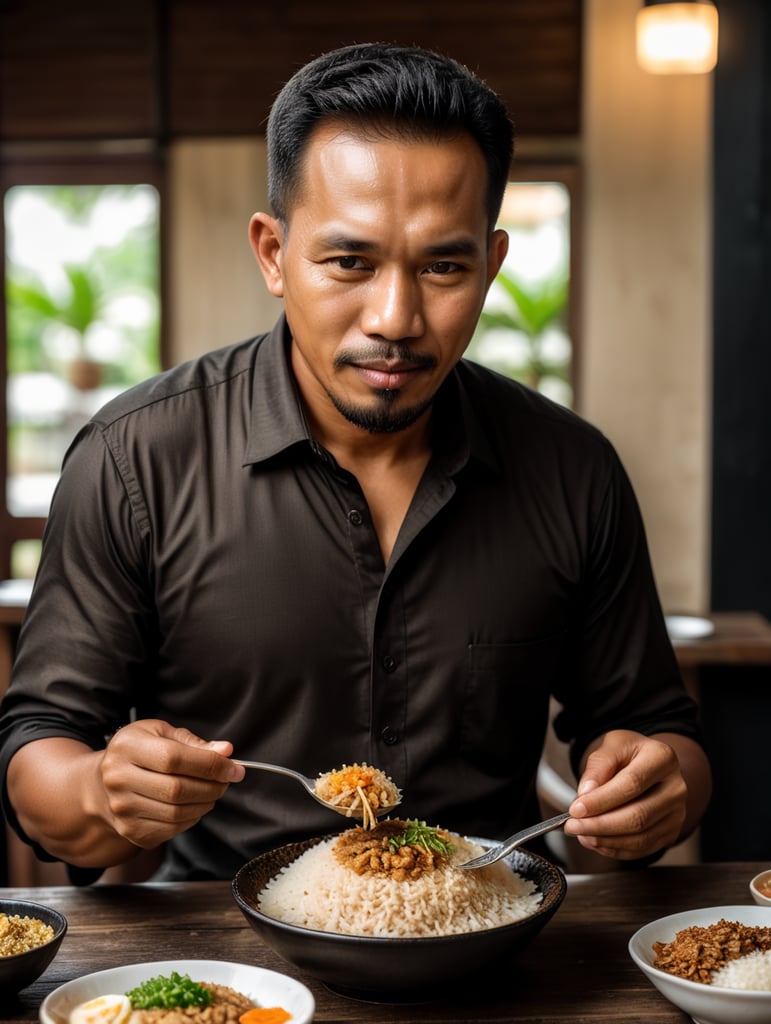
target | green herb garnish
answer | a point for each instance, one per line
(166, 993)
(418, 833)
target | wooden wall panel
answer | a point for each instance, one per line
(228, 60)
(84, 69)
(167, 68)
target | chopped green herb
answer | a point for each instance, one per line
(166, 993)
(418, 833)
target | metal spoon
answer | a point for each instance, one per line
(310, 785)
(508, 845)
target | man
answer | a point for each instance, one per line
(340, 542)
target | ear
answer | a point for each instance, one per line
(266, 237)
(496, 253)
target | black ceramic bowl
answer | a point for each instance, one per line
(394, 969)
(20, 970)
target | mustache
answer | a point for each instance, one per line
(389, 352)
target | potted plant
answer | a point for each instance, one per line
(77, 309)
(521, 317)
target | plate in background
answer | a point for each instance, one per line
(688, 627)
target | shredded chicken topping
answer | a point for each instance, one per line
(369, 852)
(696, 952)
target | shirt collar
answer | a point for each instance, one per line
(276, 419)
(277, 422)
(459, 433)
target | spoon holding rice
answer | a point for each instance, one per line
(356, 791)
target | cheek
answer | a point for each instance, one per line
(456, 313)
(326, 313)
(319, 321)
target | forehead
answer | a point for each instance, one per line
(345, 164)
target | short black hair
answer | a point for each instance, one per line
(396, 91)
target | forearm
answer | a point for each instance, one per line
(54, 786)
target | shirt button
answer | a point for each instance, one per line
(389, 736)
(355, 517)
(389, 663)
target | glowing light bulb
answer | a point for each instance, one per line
(677, 38)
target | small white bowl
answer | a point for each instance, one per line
(706, 1004)
(266, 988)
(763, 878)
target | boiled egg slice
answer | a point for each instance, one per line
(102, 1010)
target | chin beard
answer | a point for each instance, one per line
(383, 419)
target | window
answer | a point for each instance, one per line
(526, 328)
(82, 323)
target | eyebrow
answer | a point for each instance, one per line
(453, 247)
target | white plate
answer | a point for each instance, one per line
(266, 988)
(688, 627)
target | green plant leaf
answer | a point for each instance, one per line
(534, 306)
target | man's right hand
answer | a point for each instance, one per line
(159, 781)
(95, 808)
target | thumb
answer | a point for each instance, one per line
(223, 747)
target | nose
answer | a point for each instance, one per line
(394, 306)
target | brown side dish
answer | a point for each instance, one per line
(696, 952)
(20, 934)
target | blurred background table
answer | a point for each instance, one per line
(740, 638)
(729, 673)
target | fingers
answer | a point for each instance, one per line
(631, 799)
(158, 780)
(631, 832)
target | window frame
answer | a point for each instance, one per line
(86, 166)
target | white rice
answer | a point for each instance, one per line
(317, 891)
(752, 972)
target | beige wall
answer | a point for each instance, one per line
(216, 292)
(647, 291)
(645, 277)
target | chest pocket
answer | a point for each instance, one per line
(506, 703)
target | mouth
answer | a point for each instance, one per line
(386, 378)
(389, 369)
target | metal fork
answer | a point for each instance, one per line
(508, 845)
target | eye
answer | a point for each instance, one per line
(348, 262)
(442, 268)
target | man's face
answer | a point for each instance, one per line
(383, 269)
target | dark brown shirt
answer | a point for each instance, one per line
(206, 562)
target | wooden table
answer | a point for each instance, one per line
(740, 638)
(577, 971)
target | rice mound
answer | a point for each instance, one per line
(317, 891)
(751, 972)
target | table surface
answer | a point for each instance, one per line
(740, 638)
(577, 971)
